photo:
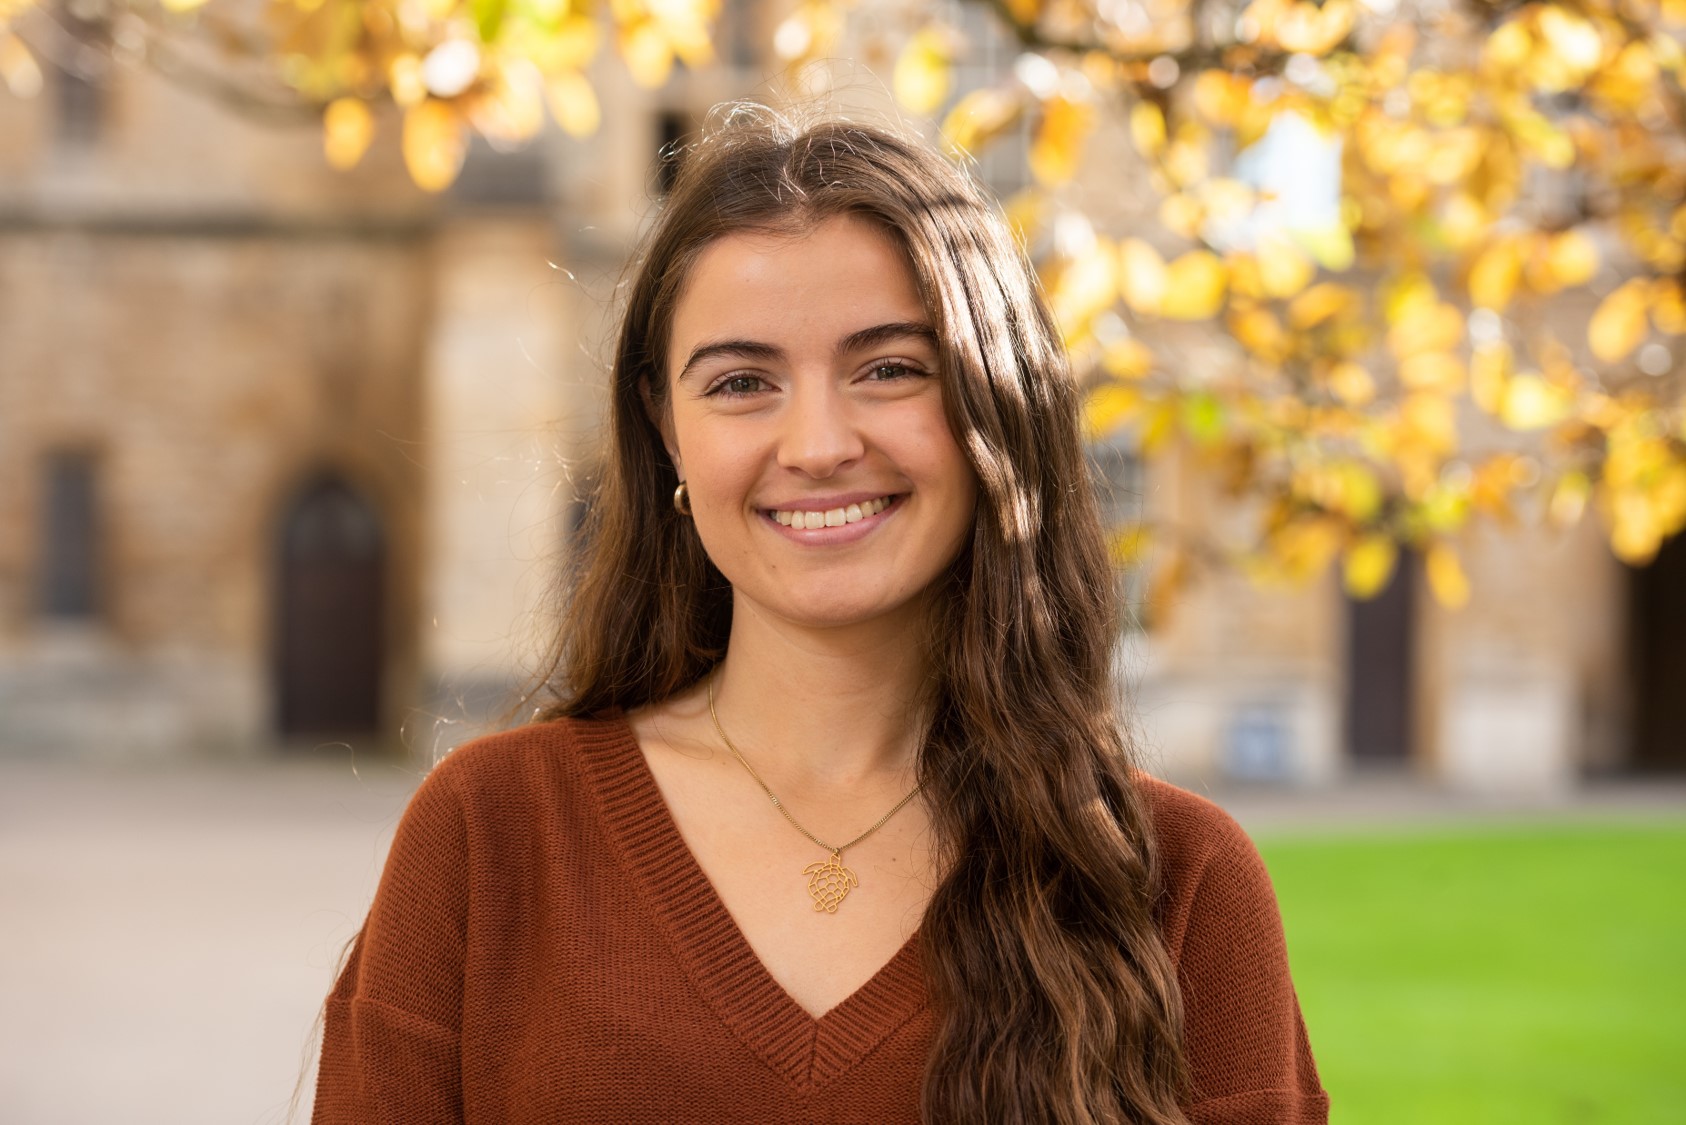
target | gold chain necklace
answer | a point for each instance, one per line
(829, 881)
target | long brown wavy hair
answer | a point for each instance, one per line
(1056, 999)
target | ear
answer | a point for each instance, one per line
(661, 417)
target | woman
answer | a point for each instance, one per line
(833, 819)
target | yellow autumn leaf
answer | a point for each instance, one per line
(1182, 214)
(1060, 137)
(1573, 40)
(923, 71)
(1329, 244)
(1283, 269)
(1532, 403)
(1571, 258)
(1221, 97)
(1087, 284)
(18, 68)
(1024, 12)
(1351, 383)
(182, 5)
(1142, 276)
(573, 103)
(685, 28)
(1320, 303)
(1494, 274)
(1618, 325)
(405, 79)
(1147, 128)
(1195, 284)
(980, 117)
(1158, 427)
(1446, 576)
(1463, 220)
(1108, 407)
(1490, 368)
(648, 54)
(1425, 327)
(1360, 492)
(1430, 420)
(1369, 564)
(1432, 371)
(1305, 546)
(1668, 305)
(1258, 330)
(1635, 529)
(1128, 545)
(347, 129)
(511, 109)
(1407, 293)
(1127, 358)
(1245, 280)
(1508, 46)
(1313, 29)
(434, 144)
(572, 45)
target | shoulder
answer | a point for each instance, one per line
(1248, 1054)
(1207, 863)
(527, 767)
(508, 755)
(1189, 831)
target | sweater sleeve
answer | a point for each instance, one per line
(1246, 1042)
(390, 1039)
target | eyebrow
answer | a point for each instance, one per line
(855, 341)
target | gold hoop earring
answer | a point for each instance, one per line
(682, 499)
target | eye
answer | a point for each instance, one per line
(892, 370)
(737, 386)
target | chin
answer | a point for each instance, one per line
(830, 610)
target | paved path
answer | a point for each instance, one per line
(167, 936)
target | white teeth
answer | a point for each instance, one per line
(833, 517)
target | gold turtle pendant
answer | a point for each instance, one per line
(829, 883)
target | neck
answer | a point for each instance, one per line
(823, 709)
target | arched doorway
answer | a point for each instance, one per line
(330, 612)
(1380, 657)
(1657, 656)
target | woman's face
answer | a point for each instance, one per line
(805, 413)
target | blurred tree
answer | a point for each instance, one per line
(1444, 240)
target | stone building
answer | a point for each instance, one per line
(288, 456)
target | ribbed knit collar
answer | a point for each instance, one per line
(706, 939)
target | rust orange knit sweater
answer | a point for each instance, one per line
(544, 949)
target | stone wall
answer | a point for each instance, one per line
(208, 372)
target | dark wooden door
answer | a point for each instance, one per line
(1379, 649)
(1657, 651)
(330, 610)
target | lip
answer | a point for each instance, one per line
(824, 503)
(834, 536)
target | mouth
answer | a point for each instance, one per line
(800, 519)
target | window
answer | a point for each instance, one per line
(70, 538)
(672, 129)
(1119, 479)
(988, 61)
(84, 61)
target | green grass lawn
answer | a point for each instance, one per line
(1532, 974)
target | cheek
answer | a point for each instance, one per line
(939, 456)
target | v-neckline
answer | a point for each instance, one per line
(710, 946)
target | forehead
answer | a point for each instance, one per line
(807, 289)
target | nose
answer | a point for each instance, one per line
(819, 434)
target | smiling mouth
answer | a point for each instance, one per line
(801, 520)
